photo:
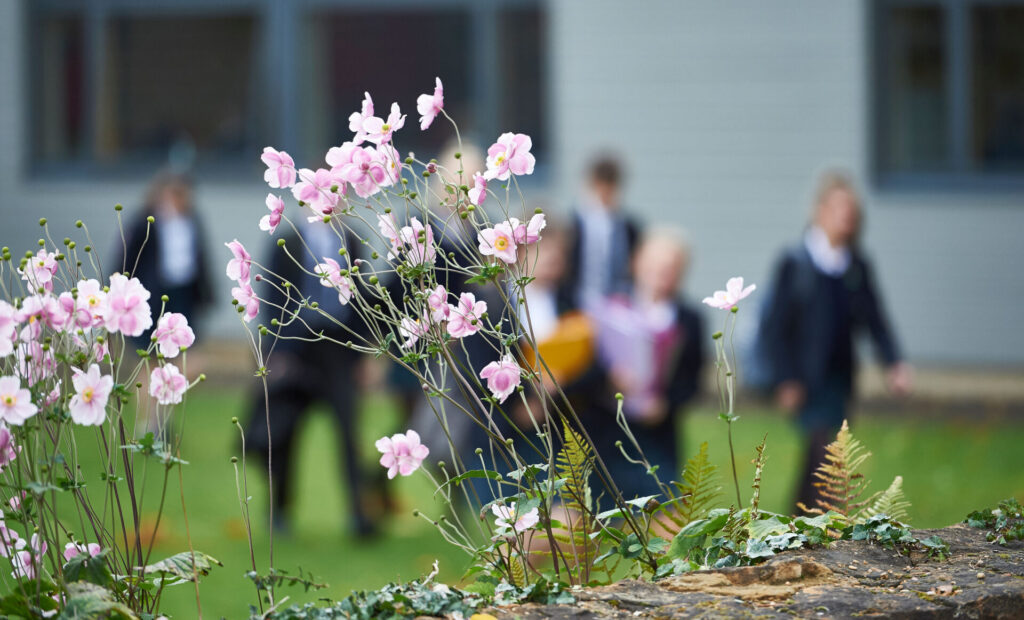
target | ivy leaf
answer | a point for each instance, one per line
(92, 569)
(88, 600)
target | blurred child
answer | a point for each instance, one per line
(824, 294)
(651, 345)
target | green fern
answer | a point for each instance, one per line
(574, 464)
(891, 502)
(698, 490)
(840, 484)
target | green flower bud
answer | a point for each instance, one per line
(118, 207)
(42, 221)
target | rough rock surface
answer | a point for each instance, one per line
(850, 579)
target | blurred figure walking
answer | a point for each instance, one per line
(303, 373)
(604, 238)
(169, 256)
(823, 295)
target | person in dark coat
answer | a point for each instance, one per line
(303, 373)
(823, 295)
(602, 236)
(169, 256)
(651, 344)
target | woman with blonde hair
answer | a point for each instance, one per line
(824, 294)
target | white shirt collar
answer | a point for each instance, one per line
(829, 260)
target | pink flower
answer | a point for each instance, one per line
(330, 276)
(10, 541)
(127, 309)
(502, 377)
(392, 163)
(356, 119)
(733, 293)
(39, 270)
(34, 363)
(412, 330)
(465, 319)
(379, 131)
(389, 230)
(26, 563)
(240, 265)
(54, 394)
(167, 385)
(16, 404)
(8, 328)
(498, 242)
(88, 405)
(506, 517)
(173, 334)
(437, 301)
(15, 502)
(419, 242)
(314, 189)
(270, 221)
(529, 232)
(39, 310)
(247, 300)
(8, 450)
(510, 155)
(478, 193)
(92, 300)
(280, 172)
(429, 106)
(72, 550)
(402, 454)
(366, 172)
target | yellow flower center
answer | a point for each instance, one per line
(31, 319)
(384, 128)
(10, 400)
(87, 395)
(93, 301)
(501, 158)
(500, 243)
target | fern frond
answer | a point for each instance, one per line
(839, 484)
(755, 499)
(891, 502)
(575, 463)
(518, 572)
(698, 490)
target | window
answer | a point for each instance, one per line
(949, 98)
(489, 58)
(121, 85)
(123, 90)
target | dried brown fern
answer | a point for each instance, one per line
(839, 484)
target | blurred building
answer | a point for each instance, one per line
(725, 112)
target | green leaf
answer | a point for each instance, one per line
(771, 526)
(88, 600)
(180, 566)
(694, 533)
(84, 567)
(473, 473)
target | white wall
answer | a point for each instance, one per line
(726, 111)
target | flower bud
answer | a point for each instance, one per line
(234, 419)
(164, 298)
(458, 155)
(716, 335)
(42, 221)
(234, 460)
(150, 219)
(79, 223)
(479, 451)
(118, 207)
(619, 396)
(280, 243)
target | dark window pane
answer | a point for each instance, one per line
(998, 87)
(178, 83)
(59, 116)
(395, 56)
(521, 41)
(914, 106)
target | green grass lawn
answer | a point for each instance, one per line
(948, 468)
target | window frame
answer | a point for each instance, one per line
(278, 26)
(961, 176)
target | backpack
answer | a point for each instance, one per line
(756, 367)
